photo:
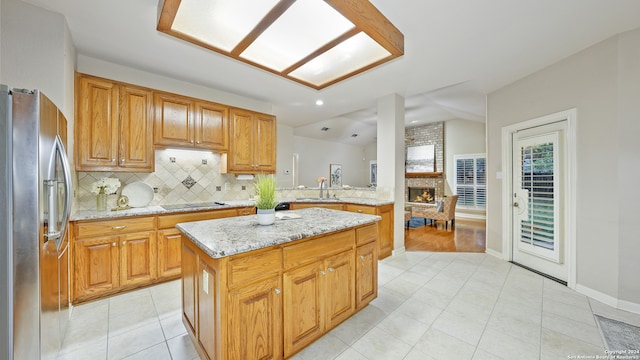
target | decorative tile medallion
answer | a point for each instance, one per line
(188, 182)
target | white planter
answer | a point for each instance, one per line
(266, 216)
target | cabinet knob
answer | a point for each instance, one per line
(122, 160)
(120, 227)
(277, 291)
(361, 257)
(113, 160)
(322, 272)
(330, 269)
(124, 243)
(192, 141)
(113, 244)
(359, 211)
(198, 142)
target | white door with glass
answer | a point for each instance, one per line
(538, 196)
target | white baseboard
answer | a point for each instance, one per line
(397, 251)
(629, 306)
(495, 254)
(608, 299)
(471, 216)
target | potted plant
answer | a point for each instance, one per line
(265, 186)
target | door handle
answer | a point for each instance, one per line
(515, 204)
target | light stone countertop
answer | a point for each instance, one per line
(224, 237)
(158, 209)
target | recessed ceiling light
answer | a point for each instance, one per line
(414, 121)
(319, 102)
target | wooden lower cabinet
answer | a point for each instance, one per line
(385, 226)
(255, 321)
(366, 274)
(189, 286)
(169, 251)
(317, 298)
(105, 264)
(271, 303)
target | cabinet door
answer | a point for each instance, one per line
(136, 129)
(255, 321)
(189, 286)
(137, 258)
(169, 251)
(265, 144)
(173, 124)
(366, 274)
(208, 312)
(96, 266)
(385, 231)
(303, 306)
(97, 124)
(340, 288)
(211, 126)
(242, 141)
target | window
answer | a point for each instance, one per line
(471, 180)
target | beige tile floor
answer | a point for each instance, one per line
(429, 306)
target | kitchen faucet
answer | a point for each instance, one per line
(322, 185)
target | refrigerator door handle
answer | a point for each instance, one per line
(66, 170)
(53, 233)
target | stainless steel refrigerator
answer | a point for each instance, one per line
(35, 195)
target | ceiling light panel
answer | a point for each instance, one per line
(220, 23)
(314, 42)
(357, 52)
(305, 27)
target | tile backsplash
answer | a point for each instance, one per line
(180, 176)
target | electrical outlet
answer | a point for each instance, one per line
(172, 159)
(244, 187)
(287, 172)
(218, 188)
(156, 190)
(204, 161)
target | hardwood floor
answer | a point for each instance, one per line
(465, 236)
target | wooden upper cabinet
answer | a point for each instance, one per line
(211, 126)
(253, 145)
(173, 120)
(97, 124)
(136, 126)
(188, 123)
(113, 126)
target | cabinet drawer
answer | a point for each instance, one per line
(366, 234)
(363, 209)
(169, 221)
(256, 266)
(114, 227)
(246, 211)
(308, 251)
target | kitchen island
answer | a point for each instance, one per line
(253, 292)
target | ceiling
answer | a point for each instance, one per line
(456, 51)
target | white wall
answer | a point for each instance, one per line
(601, 82)
(284, 156)
(97, 67)
(315, 156)
(461, 137)
(37, 52)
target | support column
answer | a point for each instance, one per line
(390, 157)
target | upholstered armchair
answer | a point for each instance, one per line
(447, 214)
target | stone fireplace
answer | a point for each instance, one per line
(425, 195)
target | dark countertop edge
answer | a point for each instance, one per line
(86, 215)
(281, 240)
